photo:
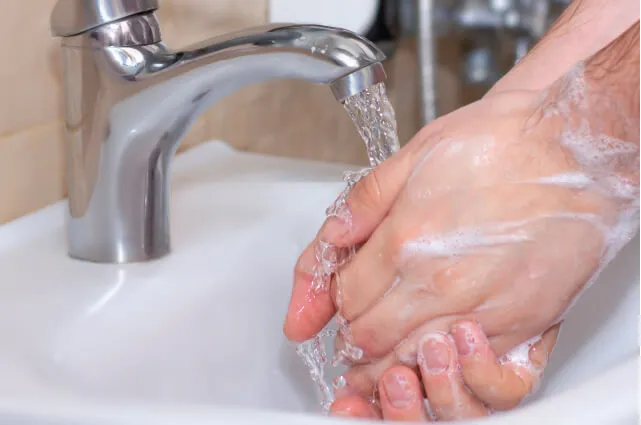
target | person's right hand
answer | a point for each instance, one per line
(459, 380)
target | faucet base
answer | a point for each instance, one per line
(117, 260)
(118, 256)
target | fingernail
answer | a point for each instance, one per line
(398, 390)
(436, 354)
(465, 338)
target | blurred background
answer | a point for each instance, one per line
(442, 54)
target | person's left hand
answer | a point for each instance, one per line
(459, 380)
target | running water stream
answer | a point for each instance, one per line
(373, 116)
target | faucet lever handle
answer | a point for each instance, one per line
(73, 17)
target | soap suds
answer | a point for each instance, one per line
(603, 166)
(520, 355)
(600, 165)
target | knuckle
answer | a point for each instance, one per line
(432, 287)
(367, 193)
(442, 402)
(429, 285)
(398, 237)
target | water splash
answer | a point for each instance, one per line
(374, 118)
(314, 355)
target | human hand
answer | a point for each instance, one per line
(549, 202)
(459, 380)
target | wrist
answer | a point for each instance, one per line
(583, 29)
(612, 85)
(593, 112)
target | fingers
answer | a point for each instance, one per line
(444, 288)
(372, 197)
(309, 310)
(368, 203)
(482, 382)
(361, 378)
(502, 345)
(400, 392)
(365, 280)
(448, 397)
(401, 397)
(541, 351)
(499, 386)
(354, 407)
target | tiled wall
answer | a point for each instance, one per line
(283, 118)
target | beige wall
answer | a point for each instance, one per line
(282, 118)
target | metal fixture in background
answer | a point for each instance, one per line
(497, 33)
(426, 46)
(129, 100)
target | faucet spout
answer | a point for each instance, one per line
(129, 100)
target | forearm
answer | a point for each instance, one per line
(593, 110)
(584, 28)
(612, 77)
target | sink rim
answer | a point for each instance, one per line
(29, 227)
(156, 414)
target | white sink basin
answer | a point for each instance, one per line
(196, 337)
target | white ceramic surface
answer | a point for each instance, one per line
(354, 15)
(196, 337)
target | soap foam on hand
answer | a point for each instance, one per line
(597, 168)
(602, 169)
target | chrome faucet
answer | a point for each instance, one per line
(129, 100)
